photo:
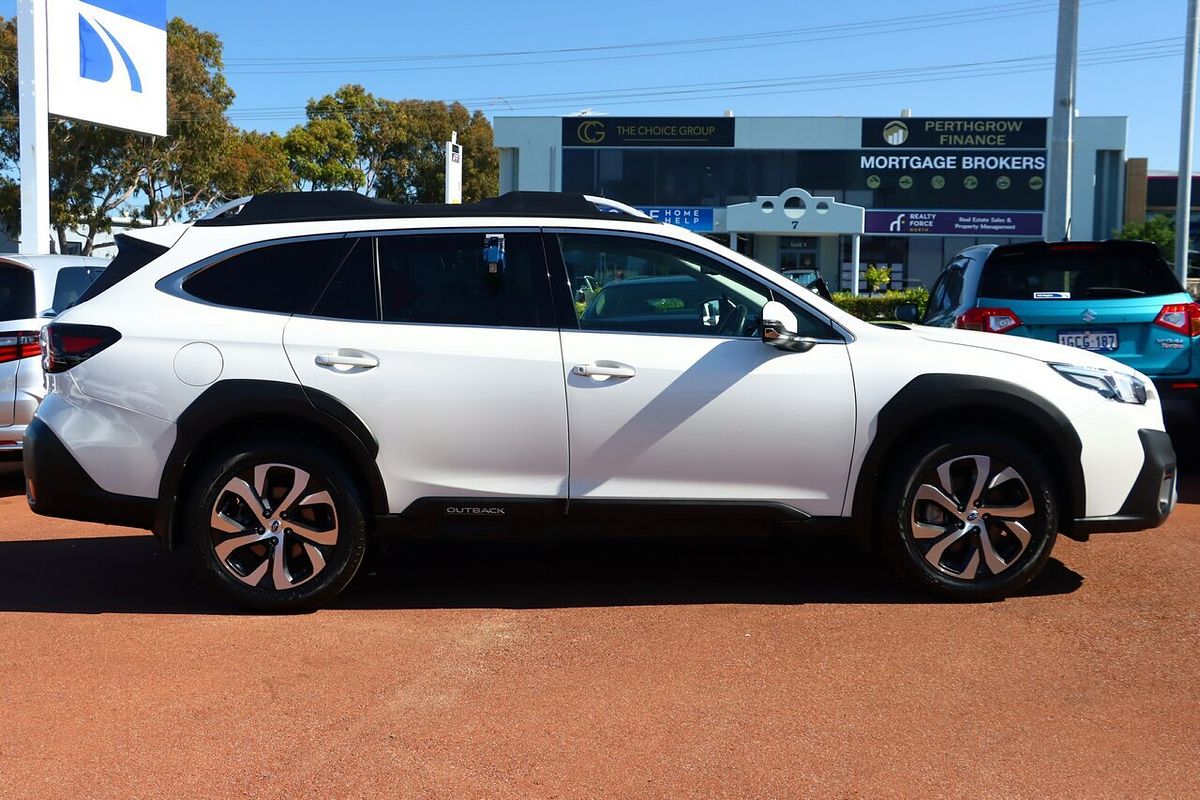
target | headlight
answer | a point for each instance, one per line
(1117, 386)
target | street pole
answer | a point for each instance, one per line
(1183, 197)
(1058, 187)
(34, 127)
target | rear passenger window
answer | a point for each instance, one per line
(286, 278)
(16, 293)
(452, 279)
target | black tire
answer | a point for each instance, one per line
(313, 566)
(982, 555)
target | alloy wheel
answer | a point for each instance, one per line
(274, 526)
(971, 517)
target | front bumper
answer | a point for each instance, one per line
(1152, 497)
(57, 486)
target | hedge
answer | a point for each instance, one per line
(880, 306)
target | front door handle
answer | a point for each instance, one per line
(344, 358)
(604, 369)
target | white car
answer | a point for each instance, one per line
(295, 375)
(33, 289)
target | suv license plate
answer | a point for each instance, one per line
(1098, 341)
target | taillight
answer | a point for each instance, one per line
(18, 345)
(65, 346)
(1180, 317)
(990, 320)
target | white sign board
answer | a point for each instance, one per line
(454, 153)
(107, 62)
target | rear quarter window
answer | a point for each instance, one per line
(16, 293)
(1083, 274)
(286, 278)
(70, 285)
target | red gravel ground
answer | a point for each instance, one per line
(678, 668)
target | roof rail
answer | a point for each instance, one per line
(277, 207)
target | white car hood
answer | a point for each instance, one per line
(1018, 345)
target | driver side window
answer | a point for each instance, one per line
(640, 285)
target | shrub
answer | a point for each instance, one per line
(878, 278)
(880, 306)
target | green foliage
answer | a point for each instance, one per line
(254, 162)
(391, 148)
(878, 278)
(1159, 229)
(880, 306)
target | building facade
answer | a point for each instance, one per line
(929, 186)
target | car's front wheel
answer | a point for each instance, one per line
(276, 525)
(970, 516)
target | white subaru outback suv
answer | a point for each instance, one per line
(282, 381)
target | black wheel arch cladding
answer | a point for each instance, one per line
(932, 398)
(231, 401)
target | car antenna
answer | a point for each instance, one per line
(1067, 233)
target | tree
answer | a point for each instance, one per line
(1159, 229)
(416, 172)
(391, 148)
(323, 155)
(253, 162)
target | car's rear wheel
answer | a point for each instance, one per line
(971, 516)
(276, 525)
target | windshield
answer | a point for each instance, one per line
(1067, 275)
(16, 293)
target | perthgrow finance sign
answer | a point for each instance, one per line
(107, 62)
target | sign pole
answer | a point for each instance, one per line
(1062, 138)
(34, 127)
(1183, 198)
(454, 153)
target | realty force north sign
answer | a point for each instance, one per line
(107, 62)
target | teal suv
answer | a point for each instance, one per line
(1117, 298)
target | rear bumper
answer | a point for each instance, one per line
(12, 438)
(1152, 497)
(57, 486)
(1180, 402)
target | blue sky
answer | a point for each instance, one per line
(760, 57)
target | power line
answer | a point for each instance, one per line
(1151, 49)
(773, 33)
(877, 27)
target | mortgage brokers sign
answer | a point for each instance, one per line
(107, 62)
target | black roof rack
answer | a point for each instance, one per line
(261, 209)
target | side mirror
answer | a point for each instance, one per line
(779, 328)
(907, 313)
(49, 313)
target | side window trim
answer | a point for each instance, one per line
(562, 282)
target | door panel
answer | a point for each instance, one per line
(462, 381)
(458, 412)
(709, 418)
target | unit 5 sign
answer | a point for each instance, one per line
(107, 62)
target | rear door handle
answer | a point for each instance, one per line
(346, 359)
(604, 369)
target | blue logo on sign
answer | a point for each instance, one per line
(95, 55)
